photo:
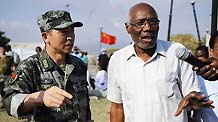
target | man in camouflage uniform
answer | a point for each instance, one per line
(51, 85)
(6, 66)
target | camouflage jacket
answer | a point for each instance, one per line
(40, 72)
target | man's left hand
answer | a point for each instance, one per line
(194, 100)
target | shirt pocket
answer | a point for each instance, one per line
(169, 86)
(47, 81)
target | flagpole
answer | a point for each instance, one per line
(67, 6)
(100, 29)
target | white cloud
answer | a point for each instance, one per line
(14, 24)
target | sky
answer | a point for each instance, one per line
(18, 19)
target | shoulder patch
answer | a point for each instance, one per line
(14, 76)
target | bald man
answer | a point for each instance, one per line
(147, 83)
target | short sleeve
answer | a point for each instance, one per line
(114, 90)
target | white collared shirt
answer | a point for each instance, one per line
(150, 91)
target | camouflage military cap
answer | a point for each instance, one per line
(4, 42)
(2, 45)
(56, 19)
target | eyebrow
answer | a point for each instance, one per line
(145, 19)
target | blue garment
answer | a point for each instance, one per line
(209, 88)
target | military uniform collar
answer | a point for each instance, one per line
(48, 63)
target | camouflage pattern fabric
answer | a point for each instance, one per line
(6, 65)
(56, 19)
(39, 72)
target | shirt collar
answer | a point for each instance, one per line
(159, 50)
(46, 60)
(48, 63)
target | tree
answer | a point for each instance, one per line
(187, 40)
(3, 39)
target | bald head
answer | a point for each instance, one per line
(134, 10)
(143, 26)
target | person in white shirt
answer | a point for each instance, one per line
(101, 78)
(146, 82)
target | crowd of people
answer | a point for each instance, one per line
(144, 81)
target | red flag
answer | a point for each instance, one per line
(107, 38)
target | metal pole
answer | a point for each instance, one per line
(170, 20)
(214, 16)
(207, 37)
(196, 22)
(100, 29)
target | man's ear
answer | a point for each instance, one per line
(45, 37)
(127, 28)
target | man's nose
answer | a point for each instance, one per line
(146, 26)
(69, 37)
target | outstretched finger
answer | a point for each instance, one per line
(183, 104)
(64, 93)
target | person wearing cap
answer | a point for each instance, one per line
(51, 86)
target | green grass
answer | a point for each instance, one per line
(99, 108)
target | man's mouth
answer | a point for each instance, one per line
(146, 38)
(69, 45)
